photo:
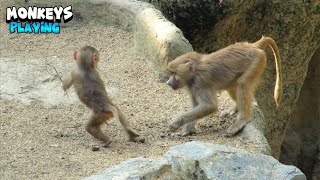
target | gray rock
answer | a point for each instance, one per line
(134, 169)
(196, 160)
(159, 40)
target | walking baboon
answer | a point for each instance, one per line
(236, 68)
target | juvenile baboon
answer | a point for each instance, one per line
(236, 68)
(91, 91)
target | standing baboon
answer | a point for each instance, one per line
(91, 91)
(236, 68)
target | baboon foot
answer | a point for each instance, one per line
(235, 128)
(103, 144)
(132, 134)
(183, 133)
(138, 140)
(106, 144)
(174, 126)
(135, 137)
(228, 113)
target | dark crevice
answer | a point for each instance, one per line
(301, 146)
(194, 18)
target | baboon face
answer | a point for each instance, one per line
(182, 71)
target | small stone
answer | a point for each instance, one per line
(95, 148)
(53, 145)
(142, 140)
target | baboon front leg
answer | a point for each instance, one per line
(206, 104)
(93, 127)
(189, 128)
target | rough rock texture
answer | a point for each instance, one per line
(136, 168)
(301, 144)
(160, 40)
(196, 160)
(194, 18)
(295, 25)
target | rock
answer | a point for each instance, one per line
(196, 160)
(301, 143)
(159, 40)
(95, 148)
(136, 168)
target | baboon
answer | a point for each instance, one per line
(236, 68)
(91, 91)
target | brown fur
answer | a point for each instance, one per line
(91, 91)
(236, 68)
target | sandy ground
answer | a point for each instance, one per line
(45, 140)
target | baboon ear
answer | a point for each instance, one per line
(94, 60)
(191, 66)
(94, 56)
(75, 55)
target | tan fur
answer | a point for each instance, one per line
(236, 68)
(91, 91)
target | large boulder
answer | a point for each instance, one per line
(197, 160)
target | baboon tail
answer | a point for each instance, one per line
(262, 44)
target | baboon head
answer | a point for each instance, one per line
(182, 70)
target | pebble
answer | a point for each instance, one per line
(95, 148)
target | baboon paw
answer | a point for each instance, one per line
(133, 134)
(175, 135)
(173, 127)
(228, 113)
(233, 112)
(106, 144)
(235, 128)
(138, 139)
(182, 133)
(187, 133)
(223, 115)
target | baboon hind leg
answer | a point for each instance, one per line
(233, 94)
(245, 95)
(93, 127)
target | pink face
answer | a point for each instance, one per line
(174, 82)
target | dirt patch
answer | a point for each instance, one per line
(42, 133)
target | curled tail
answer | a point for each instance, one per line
(262, 44)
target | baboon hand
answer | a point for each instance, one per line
(175, 125)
